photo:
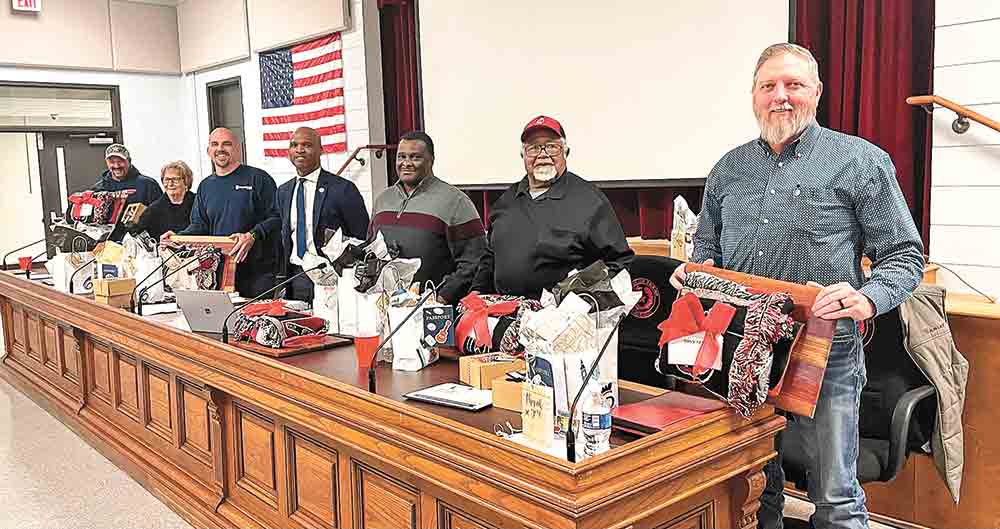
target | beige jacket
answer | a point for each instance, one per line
(927, 338)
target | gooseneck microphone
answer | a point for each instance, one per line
(275, 288)
(135, 306)
(200, 254)
(570, 436)
(73, 275)
(371, 362)
(15, 250)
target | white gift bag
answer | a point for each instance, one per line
(150, 268)
(347, 303)
(564, 372)
(62, 267)
(326, 305)
(409, 351)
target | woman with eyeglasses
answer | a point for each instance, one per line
(172, 211)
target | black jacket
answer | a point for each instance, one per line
(337, 204)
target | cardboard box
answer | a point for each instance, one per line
(507, 393)
(480, 370)
(113, 292)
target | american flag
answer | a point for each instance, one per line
(303, 86)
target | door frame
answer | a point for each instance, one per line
(238, 81)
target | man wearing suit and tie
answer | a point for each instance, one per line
(315, 203)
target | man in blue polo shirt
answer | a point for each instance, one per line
(238, 201)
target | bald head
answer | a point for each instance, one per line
(304, 150)
(224, 151)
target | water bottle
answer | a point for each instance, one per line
(596, 425)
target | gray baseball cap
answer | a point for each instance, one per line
(118, 150)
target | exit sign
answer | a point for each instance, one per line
(27, 5)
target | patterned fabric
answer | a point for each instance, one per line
(809, 213)
(472, 333)
(98, 207)
(763, 321)
(202, 274)
(272, 324)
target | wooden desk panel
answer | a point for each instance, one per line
(227, 438)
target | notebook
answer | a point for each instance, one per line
(653, 415)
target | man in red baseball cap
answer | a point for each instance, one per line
(549, 223)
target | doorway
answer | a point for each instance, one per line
(225, 107)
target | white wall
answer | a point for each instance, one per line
(21, 200)
(965, 193)
(153, 110)
(362, 84)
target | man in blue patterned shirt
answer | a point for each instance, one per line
(803, 203)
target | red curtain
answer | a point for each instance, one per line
(872, 55)
(400, 71)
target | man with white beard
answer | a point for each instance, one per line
(549, 223)
(803, 203)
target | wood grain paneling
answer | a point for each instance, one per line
(50, 346)
(35, 345)
(312, 482)
(19, 336)
(452, 518)
(69, 361)
(127, 385)
(381, 502)
(255, 463)
(100, 374)
(700, 518)
(157, 402)
(195, 435)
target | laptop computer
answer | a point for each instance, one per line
(205, 310)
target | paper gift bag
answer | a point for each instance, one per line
(62, 267)
(410, 352)
(347, 303)
(150, 268)
(326, 305)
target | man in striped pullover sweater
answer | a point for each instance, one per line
(430, 219)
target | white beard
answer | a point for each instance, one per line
(544, 173)
(780, 131)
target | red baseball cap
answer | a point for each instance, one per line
(543, 122)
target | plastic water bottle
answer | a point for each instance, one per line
(596, 425)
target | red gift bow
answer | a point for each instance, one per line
(475, 316)
(270, 308)
(687, 317)
(79, 200)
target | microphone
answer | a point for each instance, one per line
(142, 293)
(73, 275)
(15, 250)
(131, 301)
(570, 436)
(371, 362)
(225, 323)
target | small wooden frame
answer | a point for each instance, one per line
(809, 354)
(221, 242)
(132, 213)
(328, 342)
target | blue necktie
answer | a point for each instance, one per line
(300, 218)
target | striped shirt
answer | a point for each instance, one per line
(438, 223)
(810, 213)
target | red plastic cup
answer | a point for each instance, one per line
(365, 347)
(24, 262)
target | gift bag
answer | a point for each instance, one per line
(62, 267)
(326, 300)
(410, 352)
(347, 303)
(732, 340)
(272, 324)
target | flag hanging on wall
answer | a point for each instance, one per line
(303, 86)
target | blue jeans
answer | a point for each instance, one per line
(830, 439)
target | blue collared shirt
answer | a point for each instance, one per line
(810, 213)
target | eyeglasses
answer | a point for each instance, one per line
(551, 149)
(173, 181)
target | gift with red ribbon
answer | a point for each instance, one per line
(472, 330)
(273, 324)
(687, 317)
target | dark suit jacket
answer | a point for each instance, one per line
(337, 204)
